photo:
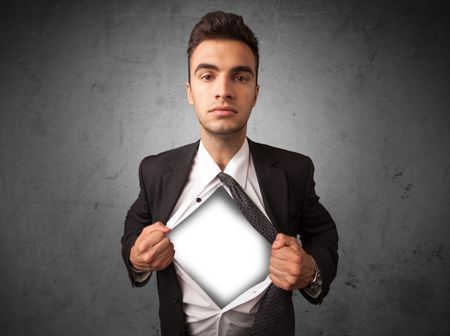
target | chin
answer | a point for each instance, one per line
(223, 127)
(226, 130)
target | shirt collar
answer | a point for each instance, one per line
(236, 168)
(238, 165)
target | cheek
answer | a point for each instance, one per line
(198, 93)
(251, 96)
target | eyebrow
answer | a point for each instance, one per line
(239, 68)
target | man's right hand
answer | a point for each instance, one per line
(152, 251)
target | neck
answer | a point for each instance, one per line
(222, 148)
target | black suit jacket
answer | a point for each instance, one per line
(287, 186)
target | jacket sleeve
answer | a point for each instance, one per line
(137, 218)
(319, 236)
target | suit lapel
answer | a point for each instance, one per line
(273, 184)
(174, 180)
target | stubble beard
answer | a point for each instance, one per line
(219, 131)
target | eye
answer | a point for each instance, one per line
(206, 77)
(240, 78)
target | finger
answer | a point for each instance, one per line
(293, 254)
(289, 255)
(157, 226)
(276, 267)
(158, 262)
(295, 271)
(285, 266)
(279, 275)
(168, 254)
(158, 252)
(278, 282)
(165, 259)
(287, 281)
(146, 242)
(162, 246)
(282, 240)
(288, 261)
(140, 265)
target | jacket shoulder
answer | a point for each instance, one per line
(283, 156)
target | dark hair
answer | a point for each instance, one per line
(221, 25)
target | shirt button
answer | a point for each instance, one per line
(198, 199)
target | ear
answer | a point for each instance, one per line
(189, 94)
(256, 95)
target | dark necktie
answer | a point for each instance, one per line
(275, 316)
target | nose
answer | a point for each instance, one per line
(224, 88)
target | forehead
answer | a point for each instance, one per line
(224, 54)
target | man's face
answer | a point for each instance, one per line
(223, 86)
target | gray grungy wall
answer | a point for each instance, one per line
(88, 88)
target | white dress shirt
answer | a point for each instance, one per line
(203, 316)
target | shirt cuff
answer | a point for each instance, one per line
(140, 276)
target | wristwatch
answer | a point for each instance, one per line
(316, 283)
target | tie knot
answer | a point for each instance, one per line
(227, 180)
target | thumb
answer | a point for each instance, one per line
(158, 226)
(282, 240)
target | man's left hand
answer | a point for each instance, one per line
(290, 266)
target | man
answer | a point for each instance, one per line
(223, 63)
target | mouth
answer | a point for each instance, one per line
(223, 110)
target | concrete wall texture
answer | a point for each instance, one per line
(88, 88)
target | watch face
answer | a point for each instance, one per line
(319, 278)
(317, 281)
